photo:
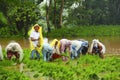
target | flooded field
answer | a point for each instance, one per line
(112, 43)
(72, 69)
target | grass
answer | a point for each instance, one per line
(87, 67)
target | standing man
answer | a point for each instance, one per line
(36, 41)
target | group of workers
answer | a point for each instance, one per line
(56, 48)
(53, 50)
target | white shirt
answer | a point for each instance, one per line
(35, 35)
(77, 44)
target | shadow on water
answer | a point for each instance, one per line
(112, 43)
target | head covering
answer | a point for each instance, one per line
(95, 41)
(45, 40)
(36, 25)
(53, 42)
(85, 44)
(93, 44)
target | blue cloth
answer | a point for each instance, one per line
(73, 52)
(33, 53)
(84, 44)
(47, 52)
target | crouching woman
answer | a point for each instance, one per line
(97, 48)
(14, 49)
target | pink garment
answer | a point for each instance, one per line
(64, 44)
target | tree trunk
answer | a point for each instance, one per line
(55, 14)
(61, 11)
(26, 25)
(47, 15)
(19, 25)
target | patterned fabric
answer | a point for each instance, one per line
(64, 44)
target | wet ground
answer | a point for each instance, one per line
(112, 46)
(112, 43)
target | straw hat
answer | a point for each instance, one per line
(36, 25)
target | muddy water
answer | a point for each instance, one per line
(112, 43)
(23, 42)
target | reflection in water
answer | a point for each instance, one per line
(112, 43)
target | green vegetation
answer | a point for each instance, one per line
(70, 32)
(10, 72)
(84, 31)
(18, 19)
(61, 18)
(87, 67)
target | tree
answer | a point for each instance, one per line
(48, 8)
(54, 17)
(61, 11)
(114, 11)
(21, 16)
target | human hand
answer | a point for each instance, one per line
(38, 45)
(38, 38)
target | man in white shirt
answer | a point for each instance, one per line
(34, 37)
